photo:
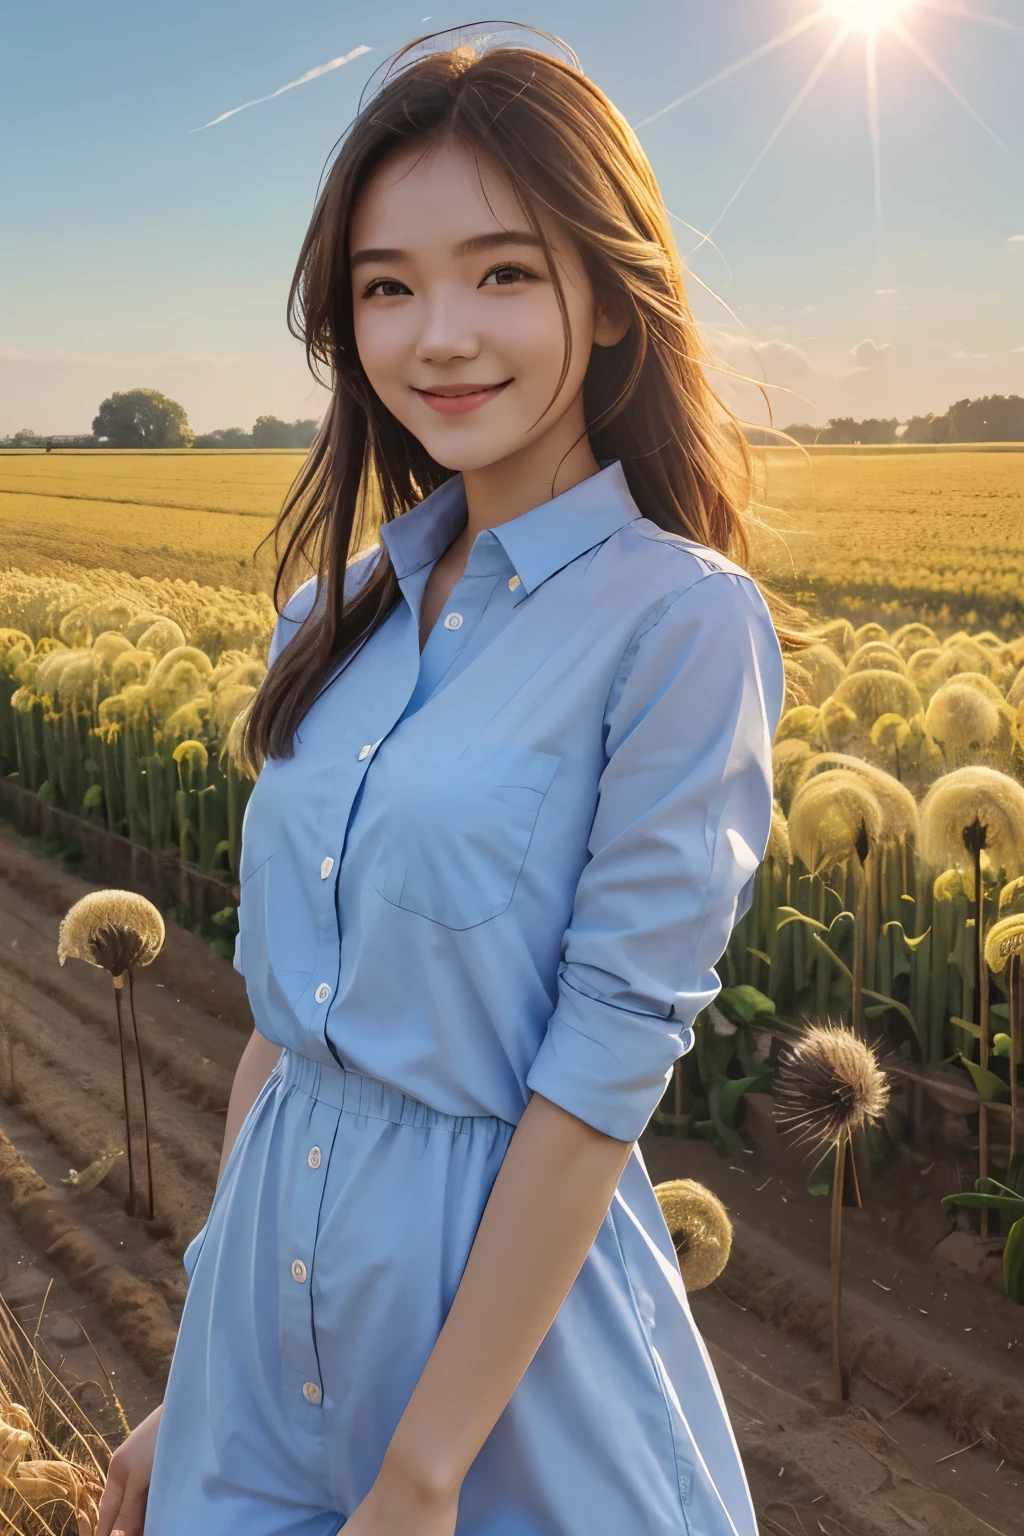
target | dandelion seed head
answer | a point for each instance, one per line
(834, 817)
(131, 667)
(107, 647)
(825, 670)
(874, 692)
(962, 720)
(827, 1083)
(840, 635)
(1005, 941)
(876, 656)
(897, 804)
(839, 723)
(111, 929)
(967, 798)
(799, 724)
(161, 636)
(910, 638)
(700, 1229)
(891, 732)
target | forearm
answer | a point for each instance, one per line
(255, 1065)
(548, 1201)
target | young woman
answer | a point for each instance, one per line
(516, 779)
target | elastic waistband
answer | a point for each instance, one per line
(355, 1093)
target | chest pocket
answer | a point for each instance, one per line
(458, 832)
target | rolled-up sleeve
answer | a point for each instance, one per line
(682, 822)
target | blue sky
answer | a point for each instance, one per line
(134, 251)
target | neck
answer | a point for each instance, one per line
(523, 480)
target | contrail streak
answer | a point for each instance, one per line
(311, 74)
(733, 69)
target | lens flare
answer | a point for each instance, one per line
(869, 16)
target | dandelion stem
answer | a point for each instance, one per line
(835, 1263)
(1015, 1002)
(982, 975)
(140, 1200)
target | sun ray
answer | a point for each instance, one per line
(801, 96)
(955, 8)
(917, 47)
(871, 66)
(770, 46)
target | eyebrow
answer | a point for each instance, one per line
(486, 242)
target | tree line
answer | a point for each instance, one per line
(145, 418)
(990, 419)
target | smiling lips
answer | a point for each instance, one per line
(452, 399)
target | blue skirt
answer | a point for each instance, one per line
(335, 1244)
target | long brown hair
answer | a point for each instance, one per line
(571, 158)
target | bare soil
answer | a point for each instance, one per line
(932, 1439)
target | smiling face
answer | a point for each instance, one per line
(456, 315)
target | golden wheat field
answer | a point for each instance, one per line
(161, 514)
(865, 534)
(898, 536)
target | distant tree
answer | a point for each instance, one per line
(801, 432)
(142, 418)
(271, 432)
(26, 435)
(843, 429)
(224, 437)
(992, 419)
(920, 429)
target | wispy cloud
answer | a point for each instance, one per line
(1015, 350)
(1016, 240)
(968, 357)
(311, 74)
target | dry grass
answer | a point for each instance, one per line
(53, 1459)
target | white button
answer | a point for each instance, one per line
(364, 752)
(323, 992)
(453, 621)
(299, 1270)
(513, 582)
(311, 1392)
(313, 1157)
(326, 867)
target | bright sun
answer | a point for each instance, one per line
(871, 16)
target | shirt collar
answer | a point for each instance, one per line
(538, 543)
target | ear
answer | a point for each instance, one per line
(611, 322)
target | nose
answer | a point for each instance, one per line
(446, 332)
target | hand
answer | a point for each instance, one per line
(123, 1505)
(394, 1507)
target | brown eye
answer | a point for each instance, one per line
(387, 287)
(507, 275)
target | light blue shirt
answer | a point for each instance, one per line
(510, 865)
